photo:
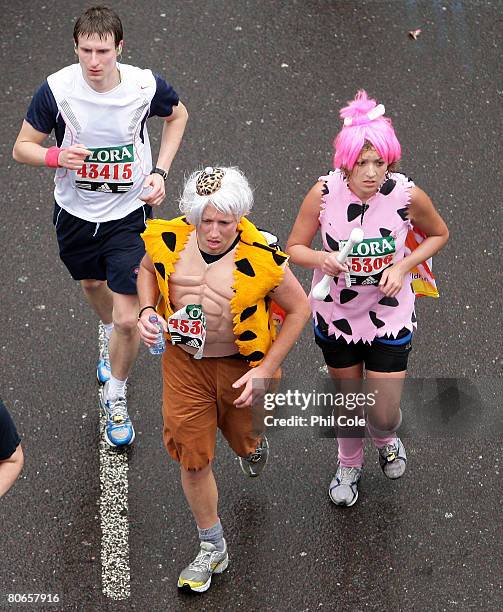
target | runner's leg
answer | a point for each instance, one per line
(384, 418)
(201, 492)
(125, 340)
(350, 449)
(99, 297)
(343, 489)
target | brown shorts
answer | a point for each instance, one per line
(197, 398)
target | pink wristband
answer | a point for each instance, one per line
(52, 156)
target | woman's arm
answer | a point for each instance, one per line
(303, 232)
(424, 216)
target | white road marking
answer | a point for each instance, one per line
(115, 572)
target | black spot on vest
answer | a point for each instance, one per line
(329, 298)
(169, 239)
(403, 213)
(377, 322)
(384, 232)
(321, 324)
(279, 259)
(245, 267)
(332, 244)
(160, 268)
(388, 301)
(355, 210)
(347, 295)
(414, 318)
(324, 189)
(387, 187)
(343, 325)
(255, 356)
(247, 335)
(248, 312)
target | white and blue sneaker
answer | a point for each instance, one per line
(119, 430)
(103, 366)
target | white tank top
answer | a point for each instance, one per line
(110, 124)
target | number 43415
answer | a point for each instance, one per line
(116, 172)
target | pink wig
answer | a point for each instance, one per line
(360, 127)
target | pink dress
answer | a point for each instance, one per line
(362, 312)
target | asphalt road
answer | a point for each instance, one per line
(263, 82)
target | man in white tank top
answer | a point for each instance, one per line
(105, 184)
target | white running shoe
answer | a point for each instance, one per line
(343, 490)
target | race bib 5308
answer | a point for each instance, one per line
(107, 169)
(368, 259)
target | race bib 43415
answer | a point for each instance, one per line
(107, 169)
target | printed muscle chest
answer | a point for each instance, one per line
(195, 282)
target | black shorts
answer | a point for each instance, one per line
(381, 355)
(110, 251)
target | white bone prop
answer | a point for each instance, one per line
(377, 111)
(321, 289)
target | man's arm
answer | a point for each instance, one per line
(10, 469)
(148, 294)
(28, 149)
(172, 133)
(292, 298)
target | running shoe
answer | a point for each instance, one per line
(119, 430)
(343, 490)
(253, 465)
(393, 459)
(103, 366)
(209, 561)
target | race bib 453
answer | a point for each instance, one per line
(188, 326)
(107, 169)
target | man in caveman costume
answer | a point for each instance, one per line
(210, 277)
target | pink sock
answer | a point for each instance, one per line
(351, 452)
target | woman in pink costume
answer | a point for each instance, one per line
(366, 323)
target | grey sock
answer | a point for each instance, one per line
(214, 535)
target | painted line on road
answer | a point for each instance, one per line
(113, 506)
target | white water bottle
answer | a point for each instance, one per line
(160, 344)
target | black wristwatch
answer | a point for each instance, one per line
(160, 171)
